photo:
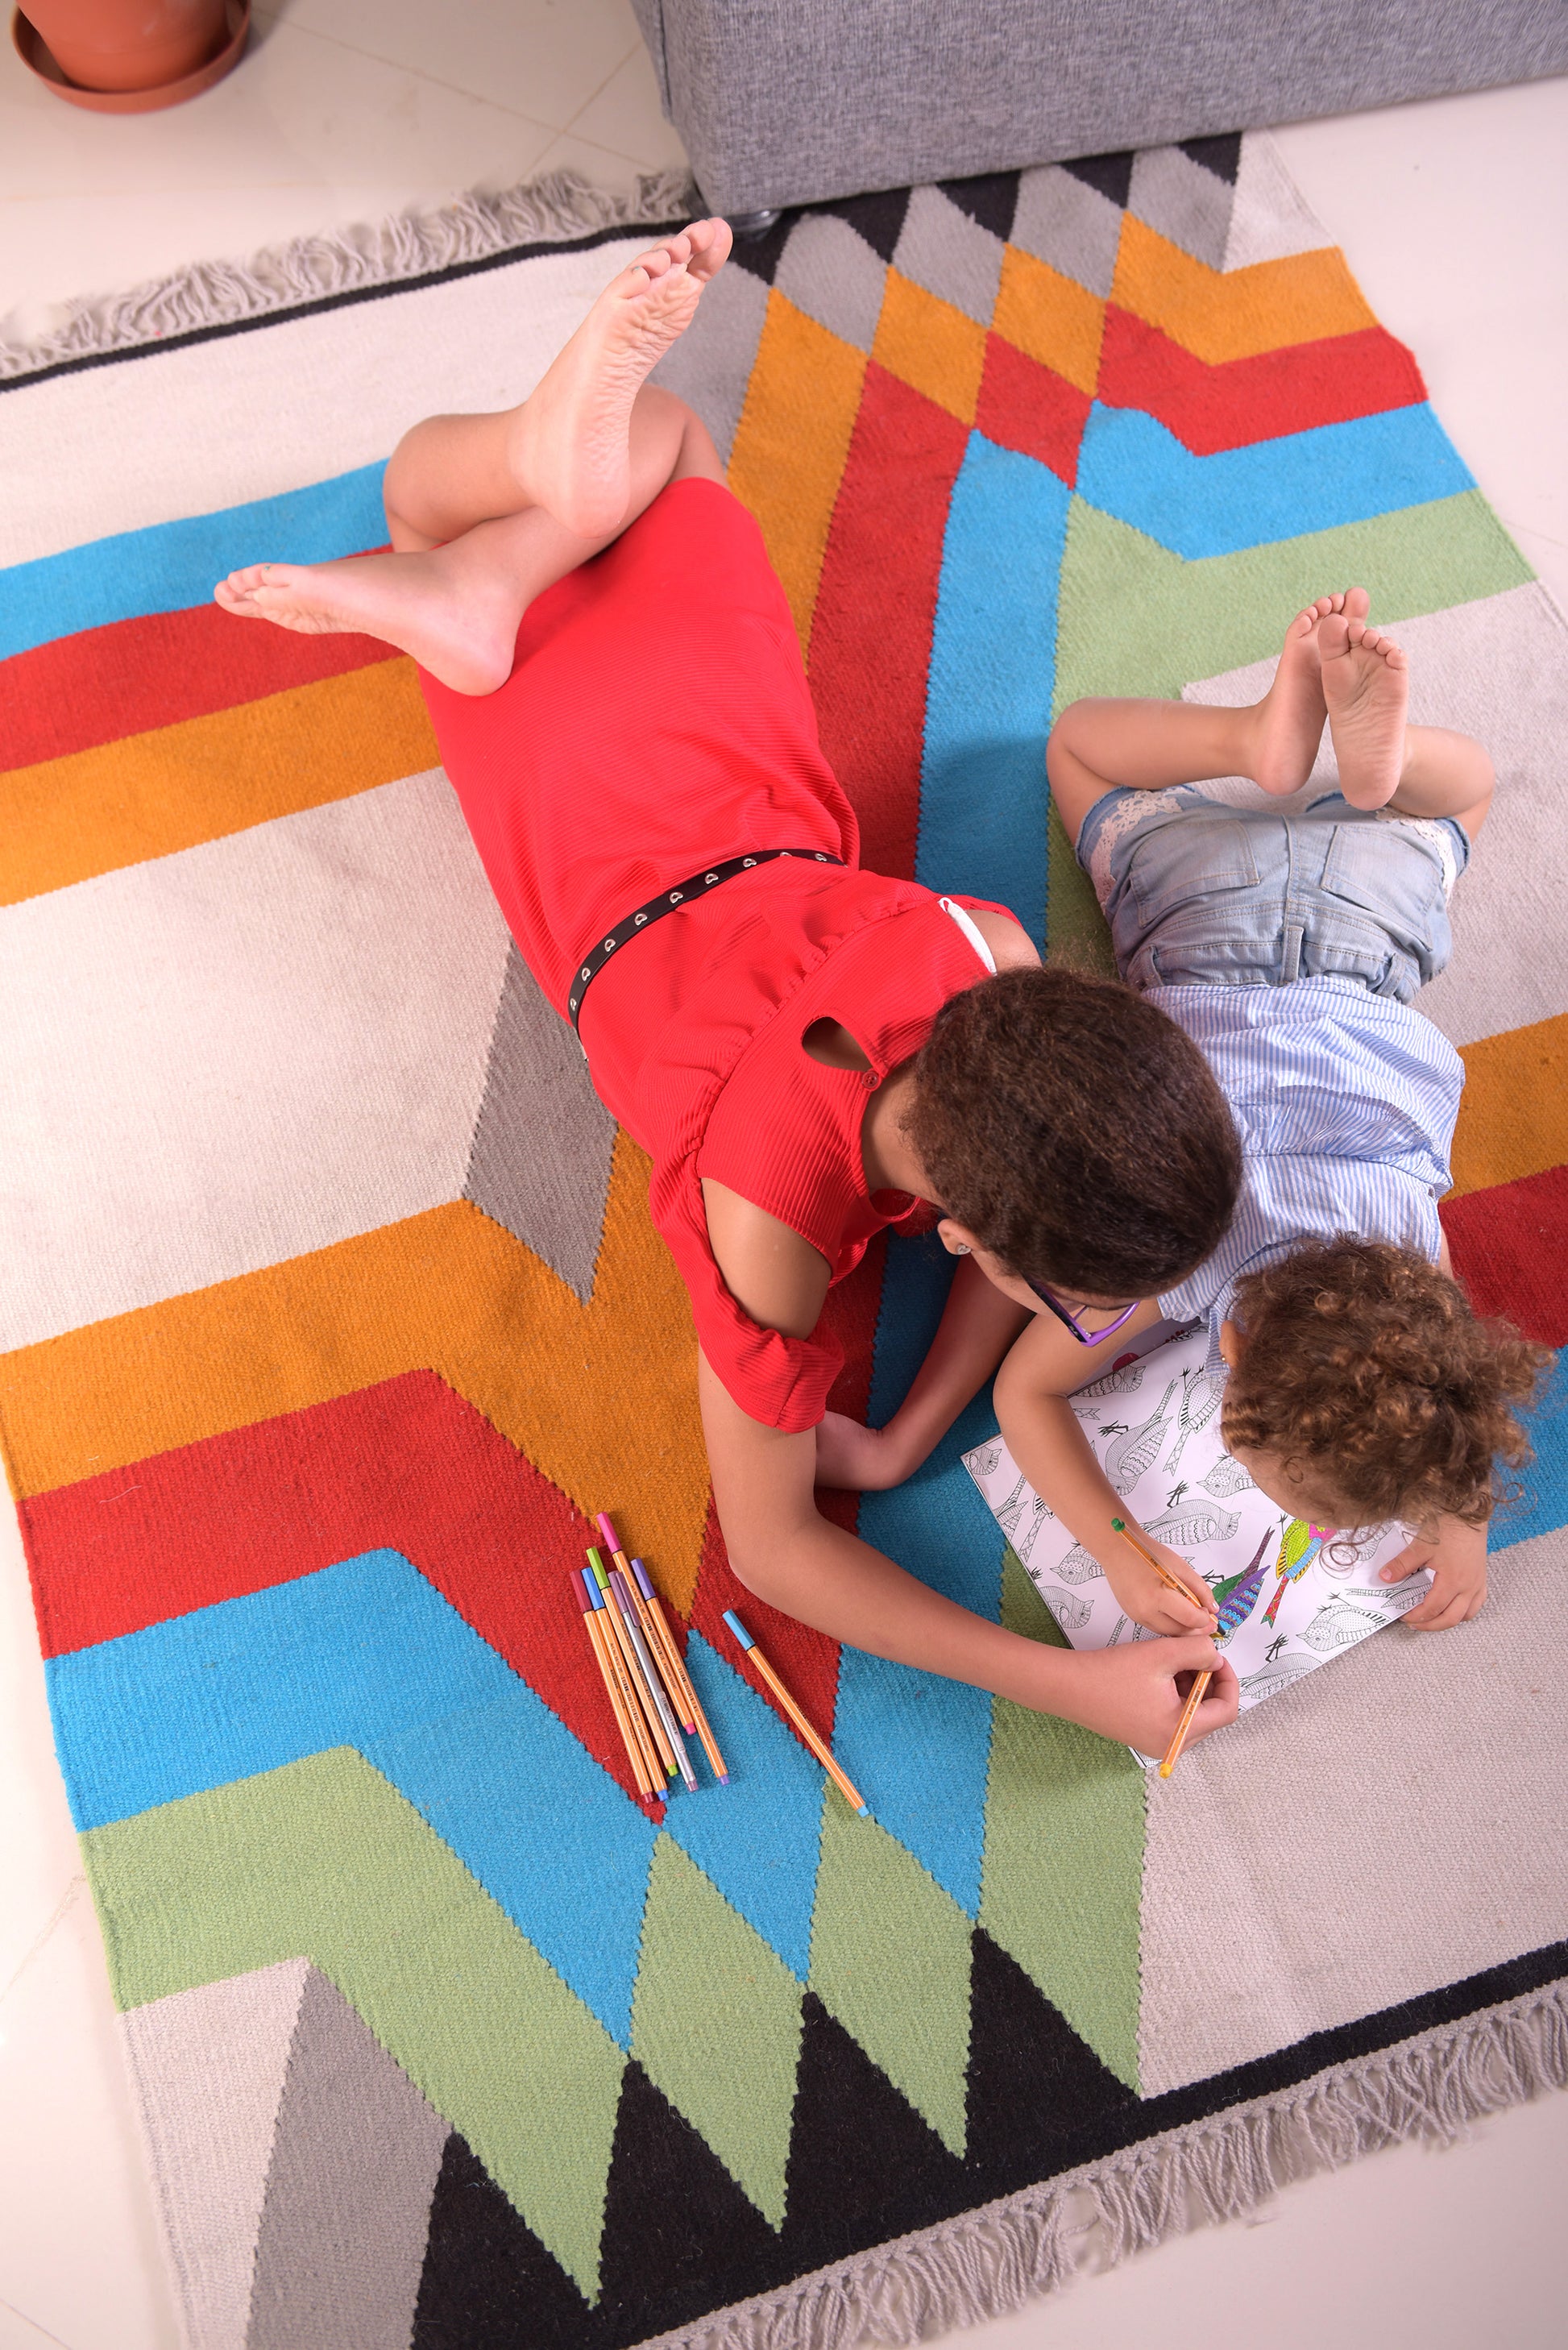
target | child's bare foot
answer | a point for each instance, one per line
(1290, 716)
(570, 445)
(463, 630)
(1367, 685)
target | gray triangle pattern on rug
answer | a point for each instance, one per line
(540, 1163)
(355, 2159)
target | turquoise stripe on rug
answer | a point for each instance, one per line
(173, 565)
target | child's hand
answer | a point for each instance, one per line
(1146, 1599)
(860, 1460)
(1457, 1554)
(1136, 1693)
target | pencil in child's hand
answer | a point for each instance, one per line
(845, 1786)
(1171, 1582)
(590, 1621)
(1194, 1700)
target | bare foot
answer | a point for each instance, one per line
(569, 444)
(1367, 685)
(1289, 719)
(462, 627)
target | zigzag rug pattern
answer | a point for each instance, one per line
(441, 2035)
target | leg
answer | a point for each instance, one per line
(515, 492)
(1383, 761)
(1097, 745)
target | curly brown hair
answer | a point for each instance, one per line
(1076, 1132)
(1365, 1364)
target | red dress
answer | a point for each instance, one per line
(657, 719)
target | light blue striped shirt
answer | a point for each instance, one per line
(1346, 1104)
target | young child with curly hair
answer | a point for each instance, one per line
(1288, 932)
(809, 1053)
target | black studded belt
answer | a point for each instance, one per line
(594, 961)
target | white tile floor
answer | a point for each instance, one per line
(1454, 215)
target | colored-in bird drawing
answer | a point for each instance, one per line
(1200, 1402)
(1298, 1548)
(1200, 1522)
(1070, 1610)
(1226, 1477)
(1134, 1454)
(1236, 1598)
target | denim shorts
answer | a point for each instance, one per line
(1200, 891)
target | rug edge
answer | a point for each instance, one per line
(362, 257)
(997, 2259)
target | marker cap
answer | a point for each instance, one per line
(739, 1629)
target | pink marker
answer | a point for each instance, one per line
(612, 1540)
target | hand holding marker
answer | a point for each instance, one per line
(1195, 1695)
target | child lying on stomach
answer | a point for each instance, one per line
(1289, 942)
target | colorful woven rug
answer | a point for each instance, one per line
(332, 1311)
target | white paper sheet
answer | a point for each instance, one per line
(1154, 1425)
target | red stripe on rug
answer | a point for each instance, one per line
(871, 638)
(1507, 1248)
(77, 692)
(1240, 401)
(1031, 408)
(406, 1465)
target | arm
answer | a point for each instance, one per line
(789, 1555)
(1045, 1439)
(977, 1325)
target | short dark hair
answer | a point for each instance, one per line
(1076, 1132)
(1366, 1364)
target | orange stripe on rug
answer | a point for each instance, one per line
(149, 795)
(791, 445)
(601, 1398)
(1051, 318)
(1513, 1120)
(1219, 314)
(930, 345)
(130, 676)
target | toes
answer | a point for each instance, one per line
(1357, 603)
(1334, 634)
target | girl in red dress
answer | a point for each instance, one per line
(809, 1053)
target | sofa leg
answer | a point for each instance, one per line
(749, 227)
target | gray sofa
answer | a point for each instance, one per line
(792, 101)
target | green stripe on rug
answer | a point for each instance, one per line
(1134, 619)
(715, 2024)
(1060, 1886)
(890, 1958)
(323, 1859)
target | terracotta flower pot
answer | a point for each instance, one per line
(113, 44)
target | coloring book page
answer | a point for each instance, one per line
(1287, 1600)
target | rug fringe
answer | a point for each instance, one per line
(547, 211)
(988, 2263)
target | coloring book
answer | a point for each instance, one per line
(1287, 1600)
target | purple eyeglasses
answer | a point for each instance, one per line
(1084, 1338)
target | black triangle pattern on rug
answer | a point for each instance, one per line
(680, 2236)
(991, 200)
(878, 218)
(862, 2165)
(761, 256)
(1220, 155)
(488, 2283)
(1036, 2091)
(1109, 175)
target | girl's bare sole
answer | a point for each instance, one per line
(1290, 718)
(1366, 686)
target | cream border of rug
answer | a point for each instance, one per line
(367, 258)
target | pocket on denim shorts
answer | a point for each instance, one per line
(1195, 855)
(1386, 872)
